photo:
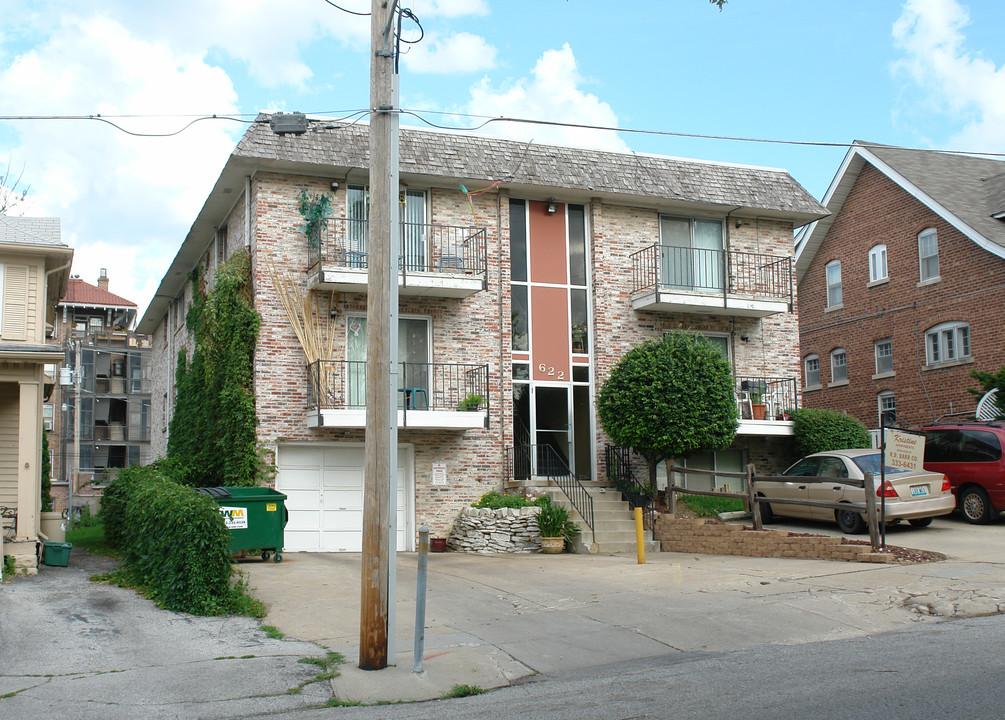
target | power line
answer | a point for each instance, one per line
(419, 115)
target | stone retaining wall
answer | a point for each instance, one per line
(507, 530)
(712, 537)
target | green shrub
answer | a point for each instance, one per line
(173, 541)
(822, 430)
(707, 506)
(495, 500)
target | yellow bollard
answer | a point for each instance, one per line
(640, 543)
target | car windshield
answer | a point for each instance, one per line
(870, 464)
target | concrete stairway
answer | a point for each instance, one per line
(613, 519)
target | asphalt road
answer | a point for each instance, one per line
(954, 669)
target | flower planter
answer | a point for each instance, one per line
(552, 545)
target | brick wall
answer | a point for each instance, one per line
(711, 537)
(971, 290)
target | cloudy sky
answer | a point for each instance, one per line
(918, 73)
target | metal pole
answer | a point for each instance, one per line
(419, 640)
(640, 542)
(882, 478)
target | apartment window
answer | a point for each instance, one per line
(834, 283)
(928, 254)
(839, 366)
(947, 342)
(884, 356)
(221, 245)
(811, 366)
(877, 263)
(94, 324)
(887, 402)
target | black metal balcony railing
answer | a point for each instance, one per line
(344, 242)
(684, 269)
(341, 385)
(618, 464)
(766, 398)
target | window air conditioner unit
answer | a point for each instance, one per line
(47, 424)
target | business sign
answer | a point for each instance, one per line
(235, 518)
(904, 450)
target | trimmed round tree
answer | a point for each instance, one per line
(670, 398)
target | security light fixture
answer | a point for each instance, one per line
(551, 207)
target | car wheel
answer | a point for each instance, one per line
(767, 516)
(920, 522)
(850, 521)
(976, 505)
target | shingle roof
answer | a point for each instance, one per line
(30, 231)
(455, 155)
(79, 292)
(971, 188)
(964, 190)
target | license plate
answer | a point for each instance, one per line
(919, 490)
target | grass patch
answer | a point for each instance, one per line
(90, 538)
(329, 669)
(335, 702)
(706, 506)
(459, 691)
(271, 631)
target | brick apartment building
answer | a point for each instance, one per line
(902, 286)
(98, 418)
(526, 272)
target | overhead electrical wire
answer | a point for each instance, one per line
(487, 120)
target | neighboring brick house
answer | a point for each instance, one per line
(95, 326)
(901, 288)
(34, 267)
(525, 292)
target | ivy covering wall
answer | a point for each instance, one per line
(212, 437)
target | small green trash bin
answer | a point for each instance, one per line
(56, 554)
(255, 516)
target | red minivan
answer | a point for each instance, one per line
(970, 455)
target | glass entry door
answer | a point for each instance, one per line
(551, 414)
(413, 356)
(691, 253)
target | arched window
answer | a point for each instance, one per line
(887, 403)
(877, 263)
(928, 254)
(811, 371)
(839, 366)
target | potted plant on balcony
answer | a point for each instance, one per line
(471, 402)
(556, 527)
(757, 391)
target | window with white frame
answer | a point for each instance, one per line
(95, 324)
(877, 263)
(811, 367)
(884, 356)
(887, 402)
(928, 254)
(947, 342)
(839, 366)
(834, 283)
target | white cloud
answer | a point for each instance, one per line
(552, 94)
(122, 200)
(458, 53)
(968, 89)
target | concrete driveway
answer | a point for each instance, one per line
(493, 619)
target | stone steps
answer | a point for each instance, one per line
(613, 519)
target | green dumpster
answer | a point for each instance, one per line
(255, 517)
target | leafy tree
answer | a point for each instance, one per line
(669, 398)
(212, 437)
(46, 474)
(818, 430)
(990, 381)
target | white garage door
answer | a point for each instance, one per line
(323, 485)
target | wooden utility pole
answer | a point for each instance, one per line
(380, 465)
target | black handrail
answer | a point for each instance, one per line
(543, 460)
(618, 462)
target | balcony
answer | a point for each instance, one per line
(717, 282)
(436, 260)
(764, 405)
(431, 396)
